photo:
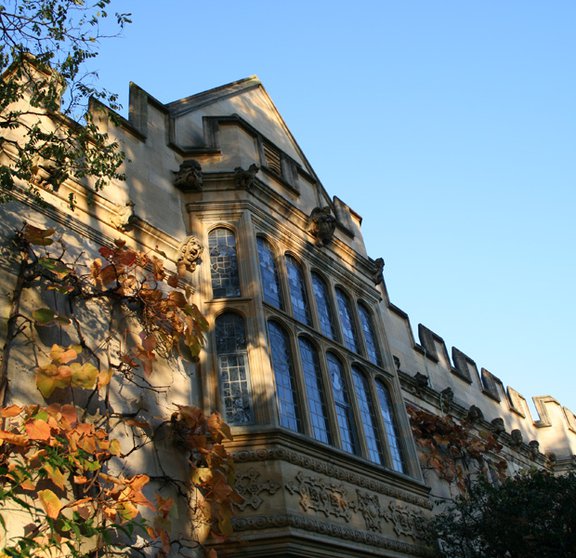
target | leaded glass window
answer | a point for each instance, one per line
(348, 330)
(391, 426)
(269, 274)
(369, 423)
(284, 374)
(223, 263)
(342, 402)
(369, 335)
(298, 297)
(233, 369)
(323, 306)
(314, 391)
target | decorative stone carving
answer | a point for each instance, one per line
(421, 380)
(322, 224)
(377, 277)
(498, 426)
(534, 446)
(123, 217)
(447, 395)
(406, 521)
(249, 486)
(475, 414)
(316, 494)
(189, 176)
(516, 437)
(189, 254)
(245, 178)
(369, 506)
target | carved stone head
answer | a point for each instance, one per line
(322, 224)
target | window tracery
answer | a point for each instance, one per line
(297, 289)
(323, 306)
(369, 335)
(269, 274)
(349, 333)
(390, 425)
(348, 437)
(223, 263)
(368, 415)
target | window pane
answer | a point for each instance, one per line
(368, 417)
(390, 425)
(348, 330)
(233, 369)
(314, 391)
(343, 408)
(324, 311)
(269, 274)
(284, 374)
(298, 297)
(223, 263)
(369, 337)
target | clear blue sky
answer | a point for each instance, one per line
(450, 126)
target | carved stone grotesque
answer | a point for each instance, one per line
(123, 217)
(516, 437)
(379, 267)
(447, 395)
(475, 414)
(189, 176)
(322, 224)
(498, 426)
(245, 178)
(421, 379)
(534, 446)
(189, 254)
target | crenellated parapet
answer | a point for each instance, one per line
(429, 371)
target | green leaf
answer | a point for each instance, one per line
(47, 316)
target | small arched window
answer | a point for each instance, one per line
(283, 366)
(323, 306)
(298, 297)
(315, 391)
(344, 414)
(362, 389)
(390, 425)
(369, 335)
(233, 368)
(223, 263)
(345, 313)
(269, 274)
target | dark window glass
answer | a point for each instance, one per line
(300, 308)
(233, 368)
(314, 391)
(368, 417)
(223, 263)
(391, 426)
(284, 375)
(343, 408)
(369, 336)
(323, 305)
(348, 329)
(269, 274)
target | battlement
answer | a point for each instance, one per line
(429, 361)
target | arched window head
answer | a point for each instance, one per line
(223, 263)
(344, 414)
(298, 296)
(315, 391)
(367, 413)
(323, 306)
(370, 341)
(391, 426)
(269, 274)
(349, 333)
(233, 369)
(283, 366)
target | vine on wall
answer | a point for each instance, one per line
(67, 475)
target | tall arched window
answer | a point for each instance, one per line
(390, 425)
(284, 374)
(343, 407)
(348, 329)
(368, 417)
(269, 274)
(233, 368)
(298, 296)
(314, 391)
(323, 306)
(369, 335)
(223, 263)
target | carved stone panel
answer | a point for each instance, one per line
(250, 486)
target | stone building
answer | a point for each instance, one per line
(307, 358)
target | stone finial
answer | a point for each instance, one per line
(475, 414)
(189, 254)
(189, 176)
(378, 268)
(322, 224)
(245, 178)
(498, 426)
(516, 437)
(123, 217)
